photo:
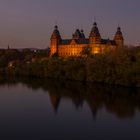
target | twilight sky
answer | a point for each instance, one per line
(29, 23)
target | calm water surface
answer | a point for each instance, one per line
(53, 110)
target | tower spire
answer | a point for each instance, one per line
(119, 37)
(94, 18)
(56, 33)
(95, 36)
(55, 40)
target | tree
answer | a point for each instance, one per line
(55, 55)
(86, 51)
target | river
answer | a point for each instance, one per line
(36, 109)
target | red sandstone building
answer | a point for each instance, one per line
(74, 46)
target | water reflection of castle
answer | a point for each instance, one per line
(122, 102)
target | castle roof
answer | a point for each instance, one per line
(56, 33)
(119, 32)
(79, 37)
(82, 33)
(78, 41)
(118, 35)
(95, 31)
(86, 41)
(106, 41)
(65, 41)
(78, 34)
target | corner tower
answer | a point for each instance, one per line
(55, 40)
(94, 37)
(119, 37)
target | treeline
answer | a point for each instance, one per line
(121, 67)
(15, 56)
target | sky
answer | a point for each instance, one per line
(30, 23)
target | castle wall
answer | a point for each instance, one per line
(75, 50)
(53, 50)
(70, 50)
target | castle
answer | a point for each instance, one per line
(74, 46)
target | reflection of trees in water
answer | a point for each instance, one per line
(8, 81)
(120, 101)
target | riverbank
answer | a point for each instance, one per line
(121, 67)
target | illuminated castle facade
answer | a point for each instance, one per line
(74, 46)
